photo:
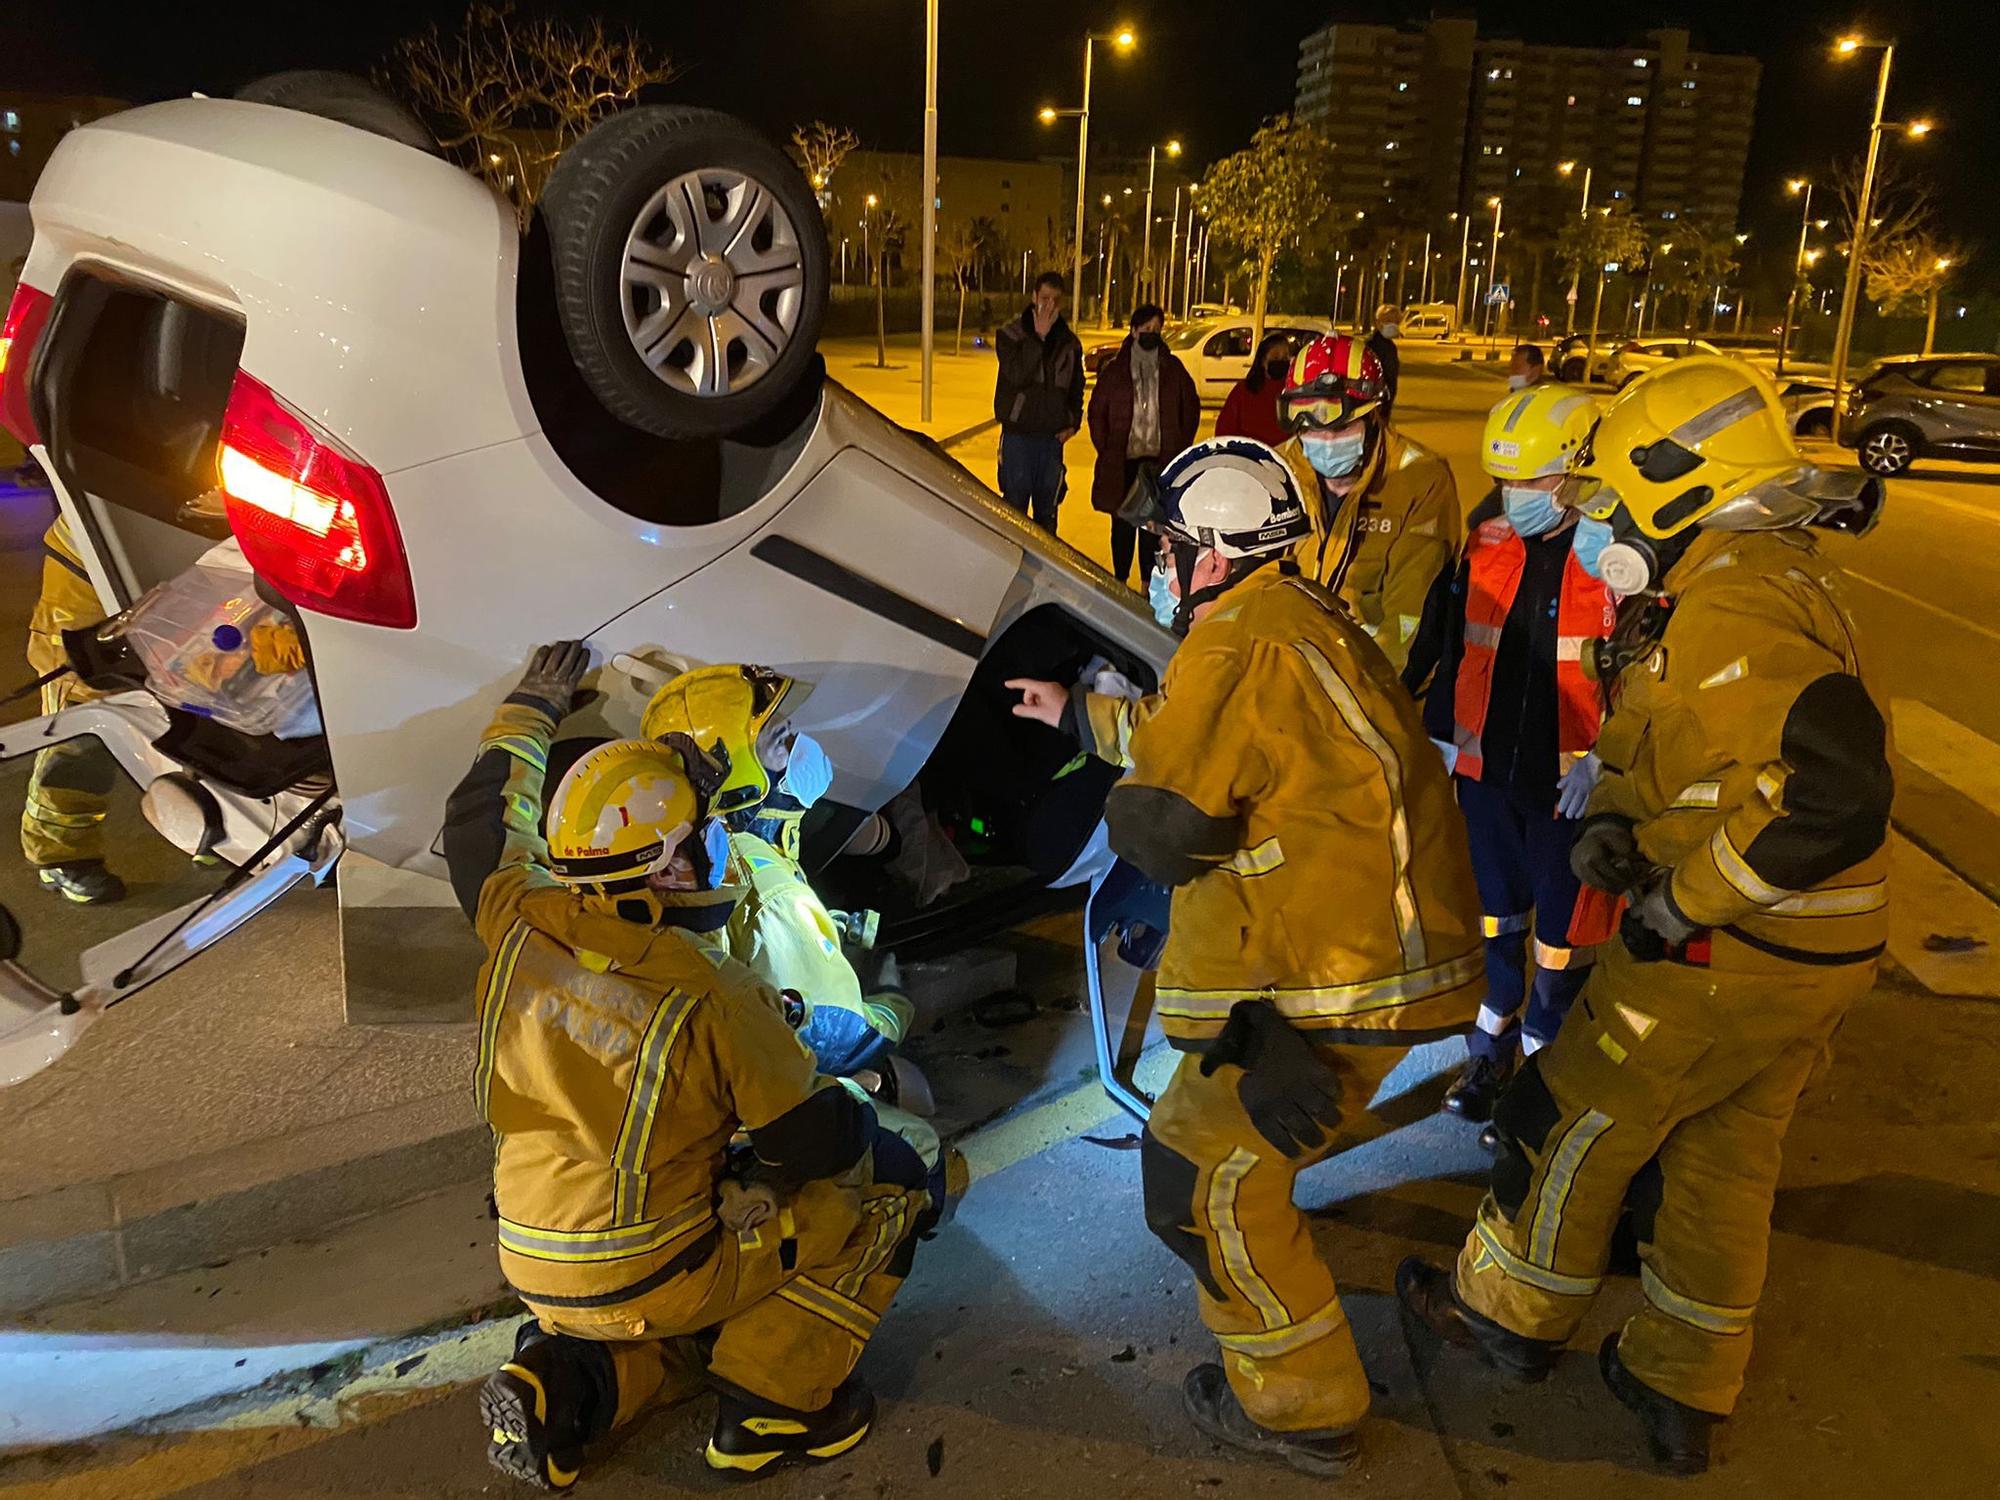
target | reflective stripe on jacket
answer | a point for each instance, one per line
(1389, 539)
(1495, 558)
(1750, 750)
(1281, 781)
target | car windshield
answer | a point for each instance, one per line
(1188, 337)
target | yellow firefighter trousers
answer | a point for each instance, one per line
(793, 1305)
(1220, 1196)
(62, 819)
(1650, 1087)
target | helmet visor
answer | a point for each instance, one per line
(1319, 411)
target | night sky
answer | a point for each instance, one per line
(1207, 69)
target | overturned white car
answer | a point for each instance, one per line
(437, 443)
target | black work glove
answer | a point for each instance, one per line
(1655, 923)
(1606, 855)
(1287, 1089)
(555, 673)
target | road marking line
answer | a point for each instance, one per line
(1962, 758)
(1896, 593)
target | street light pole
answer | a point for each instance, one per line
(1464, 251)
(1173, 246)
(1493, 277)
(1851, 293)
(1576, 271)
(1800, 184)
(1146, 253)
(930, 203)
(1424, 281)
(1082, 158)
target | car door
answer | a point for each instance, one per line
(1959, 409)
(1225, 359)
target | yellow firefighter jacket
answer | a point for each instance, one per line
(1281, 781)
(1392, 535)
(616, 1060)
(1750, 750)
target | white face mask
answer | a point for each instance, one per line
(1517, 382)
(1392, 330)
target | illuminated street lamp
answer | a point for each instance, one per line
(1493, 276)
(1567, 168)
(1464, 249)
(1850, 295)
(1152, 169)
(1124, 39)
(1797, 186)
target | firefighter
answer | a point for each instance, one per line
(1367, 484)
(1279, 777)
(62, 821)
(1743, 813)
(1510, 705)
(781, 928)
(616, 1064)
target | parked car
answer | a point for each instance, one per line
(1916, 406)
(439, 442)
(1430, 320)
(1632, 359)
(1216, 351)
(1809, 407)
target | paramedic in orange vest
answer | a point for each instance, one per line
(1516, 718)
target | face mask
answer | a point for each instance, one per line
(1517, 382)
(1149, 341)
(1275, 368)
(808, 774)
(1159, 594)
(1334, 456)
(715, 845)
(1392, 330)
(1592, 537)
(1530, 512)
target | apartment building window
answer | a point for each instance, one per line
(10, 120)
(1638, 62)
(1402, 88)
(1634, 99)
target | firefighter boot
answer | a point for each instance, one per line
(753, 1436)
(1677, 1434)
(1429, 1299)
(1213, 1408)
(545, 1404)
(84, 881)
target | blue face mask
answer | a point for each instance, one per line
(1159, 593)
(1334, 455)
(1530, 512)
(715, 844)
(1592, 537)
(808, 774)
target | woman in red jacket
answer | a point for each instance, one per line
(1252, 408)
(1143, 412)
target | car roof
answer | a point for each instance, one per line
(1937, 359)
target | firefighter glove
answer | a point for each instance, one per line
(1287, 1089)
(1606, 855)
(555, 673)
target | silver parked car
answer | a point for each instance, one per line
(1916, 406)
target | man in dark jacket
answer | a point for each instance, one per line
(1038, 399)
(1143, 411)
(1382, 344)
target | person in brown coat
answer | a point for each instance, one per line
(1143, 412)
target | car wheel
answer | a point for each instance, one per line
(343, 97)
(690, 269)
(1572, 371)
(1888, 448)
(1619, 382)
(1817, 424)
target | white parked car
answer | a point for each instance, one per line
(440, 443)
(1217, 351)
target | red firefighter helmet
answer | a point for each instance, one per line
(1333, 380)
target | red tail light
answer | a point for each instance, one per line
(27, 316)
(312, 519)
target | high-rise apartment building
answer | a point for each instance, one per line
(1434, 119)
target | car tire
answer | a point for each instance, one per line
(1572, 371)
(626, 209)
(1815, 424)
(344, 97)
(1888, 448)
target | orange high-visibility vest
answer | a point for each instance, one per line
(1495, 559)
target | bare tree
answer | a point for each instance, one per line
(819, 149)
(962, 247)
(514, 92)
